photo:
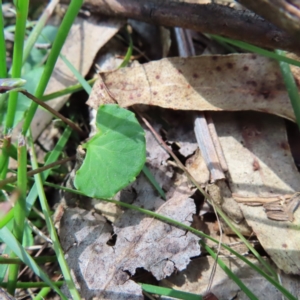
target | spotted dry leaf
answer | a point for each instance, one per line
(209, 82)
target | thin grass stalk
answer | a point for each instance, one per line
(34, 34)
(29, 285)
(13, 271)
(38, 260)
(163, 291)
(33, 192)
(76, 73)
(230, 274)
(4, 156)
(51, 229)
(21, 18)
(69, 90)
(59, 41)
(291, 87)
(257, 50)
(19, 211)
(54, 155)
(22, 12)
(3, 67)
(4, 267)
(128, 54)
(20, 206)
(42, 293)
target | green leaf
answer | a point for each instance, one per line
(115, 155)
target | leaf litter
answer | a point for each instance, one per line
(229, 83)
(255, 145)
(104, 271)
(206, 83)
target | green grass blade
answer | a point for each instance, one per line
(22, 12)
(38, 260)
(128, 54)
(12, 243)
(54, 155)
(69, 90)
(153, 181)
(62, 34)
(19, 211)
(6, 218)
(29, 285)
(258, 50)
(3, 67)
(4, 267)
(169, 292)
(42, 294)
(291, 86)
(230, 274)
(78, 76)
(20, 207)
(246, 242)
(51, 229)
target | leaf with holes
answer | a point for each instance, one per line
(115, 155)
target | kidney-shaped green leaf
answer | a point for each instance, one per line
(115, 155)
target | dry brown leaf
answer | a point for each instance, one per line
(103, 271)
(213, 82)
(96, 273)
(151, 244)
(260, 165)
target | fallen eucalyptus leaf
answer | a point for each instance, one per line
(209, 82)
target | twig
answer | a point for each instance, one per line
(259, 200)
(207, 148)
(284, 14)
(54, 112)
(241, 25)
(216, 141)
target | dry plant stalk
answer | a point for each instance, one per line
(278, 208)
(211, 18)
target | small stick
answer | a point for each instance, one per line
(260, 200)
(216, 141)
(207, 148)
(204, 139)
(53, 112)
